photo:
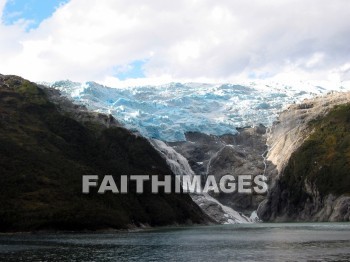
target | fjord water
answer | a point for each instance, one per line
(240, 242)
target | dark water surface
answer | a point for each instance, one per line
(254, 242)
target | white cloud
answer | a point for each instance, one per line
(2, 5)
(184, 40)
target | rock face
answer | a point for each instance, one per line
(240, 154)
(46, 148)
(310, 146)
(212, 207)
(298, 191)
(292, 127)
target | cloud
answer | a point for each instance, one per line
(2, 5)
(184, 40)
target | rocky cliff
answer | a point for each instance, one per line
(304, 155)
(309, 144)
(210, 205)
(241, 154)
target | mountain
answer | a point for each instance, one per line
(220, 129)
(48, 144)
(310, 146)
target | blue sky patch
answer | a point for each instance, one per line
(133, 70)
(33, 10)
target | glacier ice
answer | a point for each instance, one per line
(166, 112)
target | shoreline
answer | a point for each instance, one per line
(169, 227)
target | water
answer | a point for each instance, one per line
(252, 242)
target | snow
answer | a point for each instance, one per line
(166, 112)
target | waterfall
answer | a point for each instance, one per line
(254, 215)
(212, 207)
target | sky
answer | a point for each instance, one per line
(119, 42)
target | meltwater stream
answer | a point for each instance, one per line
(240, 242)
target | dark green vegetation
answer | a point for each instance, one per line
(320, 167)
(43, 155)
(324, 158)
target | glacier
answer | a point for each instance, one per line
(167, 112)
